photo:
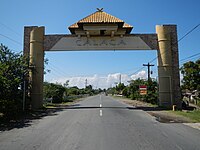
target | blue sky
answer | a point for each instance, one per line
(57, 15)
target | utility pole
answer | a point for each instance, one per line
(85, 83)
(149, 71)
(120, 79)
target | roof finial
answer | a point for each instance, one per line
(100, 9)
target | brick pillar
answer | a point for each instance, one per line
(168, 66)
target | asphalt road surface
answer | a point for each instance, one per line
(100, 123)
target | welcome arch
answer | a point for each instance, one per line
(102, 31)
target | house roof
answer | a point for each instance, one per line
(100, 17)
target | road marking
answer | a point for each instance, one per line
(100, 105)
(100, 112)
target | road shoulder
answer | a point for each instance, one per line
(161, 115)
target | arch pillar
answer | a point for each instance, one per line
(36, 64)
(168, 66)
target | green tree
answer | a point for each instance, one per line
(134, 88)
(120, 87)
(191, 75)
(152, 94)
(66, 84)
(73, 91)
(125, 92)
(132, 91)
(54, 91)
(111, 90)
(13, 69)
(89, 90)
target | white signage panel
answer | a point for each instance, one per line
(100, 43)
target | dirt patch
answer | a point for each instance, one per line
(136, 103)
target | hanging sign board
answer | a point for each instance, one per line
(143, 89)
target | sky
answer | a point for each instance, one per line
(102, 69)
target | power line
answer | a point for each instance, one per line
(190, 31)
(56, 75)
(190, 57)
(57, 69)
(9, 28)
(195, 56)
(11, 39)
(136, 71)
(193, 59)
(59, 74)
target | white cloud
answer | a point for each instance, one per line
(99, 81)
(142, 75)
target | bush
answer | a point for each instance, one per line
(57, 99)
(11, 109)
(54, 91)
(13, 69)
(151, 97)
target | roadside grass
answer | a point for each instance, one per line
(139, 101)
(55, 105)
(63, 104)
(192, 115)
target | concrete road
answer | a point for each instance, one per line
(100, 123)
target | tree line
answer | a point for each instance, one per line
(132, 90)
(59, 93)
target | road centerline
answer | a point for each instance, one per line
(101, 113)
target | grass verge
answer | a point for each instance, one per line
(164, 113)
(192, 115)
(134, 102)
(63, 104)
